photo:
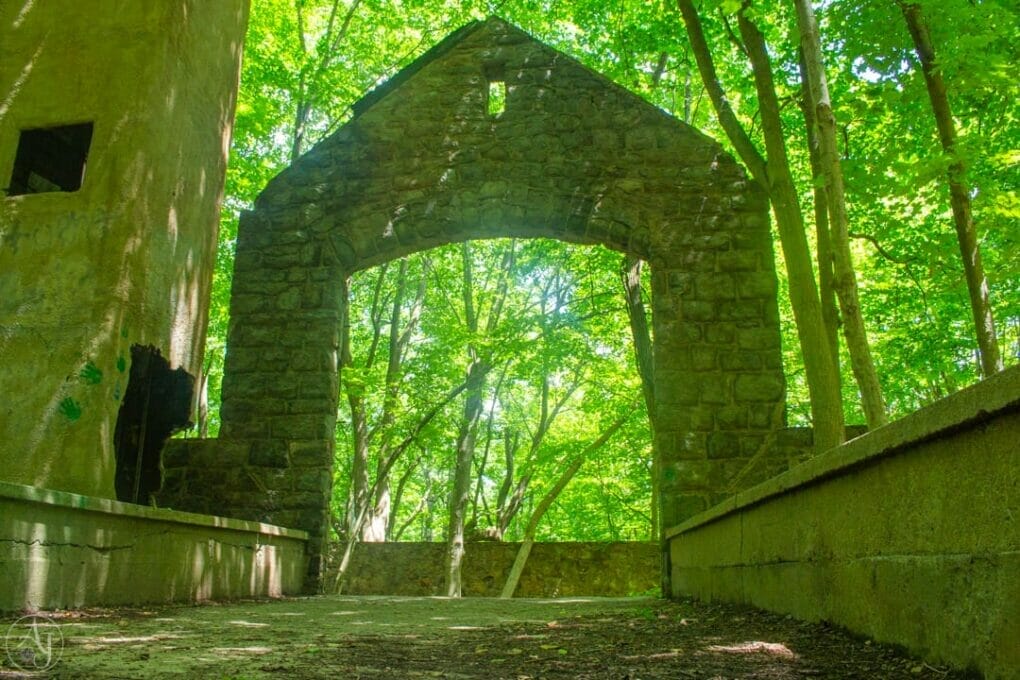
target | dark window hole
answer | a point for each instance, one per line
(50, 159)
(157, 403)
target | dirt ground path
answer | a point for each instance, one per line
(382, 637)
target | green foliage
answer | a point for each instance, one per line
(306, 64)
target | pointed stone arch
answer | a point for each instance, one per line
(424, 162)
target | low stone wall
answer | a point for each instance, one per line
(909, 534)
(60, 550)
(553, 569)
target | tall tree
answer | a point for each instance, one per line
(959, 192)
(775, 177)
(823, 245)
(631, 277)
(479, 365)
(845, 278)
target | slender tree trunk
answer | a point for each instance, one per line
(398, 497)
(826, 276)
(846, 278)
(465, 448)
(479, 495)
(379, 516)
(818, 362)
(297, 145)
(357, 498)
(543, 506)
(776, 179)
(959, 197)
(203, 403)
(631, 275)
(462, 477)
(478, 369)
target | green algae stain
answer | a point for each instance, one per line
(91, 374)
(70, 409)
(121, 364)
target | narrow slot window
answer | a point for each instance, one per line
(497, 98)
(50, 159)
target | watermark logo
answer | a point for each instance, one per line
(34, 643)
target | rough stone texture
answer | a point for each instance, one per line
(908, 534)
(60, 550)
(128, 258)
(573, 157)
(553, 569)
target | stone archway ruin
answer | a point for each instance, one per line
(426, 161)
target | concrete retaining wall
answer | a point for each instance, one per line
(60, 550)
(553, 569)
(909, 534)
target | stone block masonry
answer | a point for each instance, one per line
(553, 569)
(424, 162)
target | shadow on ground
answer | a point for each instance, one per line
(381, 637)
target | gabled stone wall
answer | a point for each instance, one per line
(423, 163)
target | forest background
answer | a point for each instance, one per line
(493, 387)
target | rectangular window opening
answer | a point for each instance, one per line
(51, 159)
(497, 98)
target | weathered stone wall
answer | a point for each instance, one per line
(908, 534)
(553, 569)
(246, 478)
(60, 550)
(128, 258)
(572, 157)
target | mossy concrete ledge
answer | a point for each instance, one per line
(909, 534)
(60, 550)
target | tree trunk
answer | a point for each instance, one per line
(465, 448)
(203, 403)
(543, 506)
(845, 277)
(357, 497)
(819, 365)
(826, 276)
(959, 198)
(478, 369)
(775, 178)
(462, 477)
(631, 275)
(398, 497)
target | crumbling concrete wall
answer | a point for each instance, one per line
(553, 569)
(909, 534)
(127, 259)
